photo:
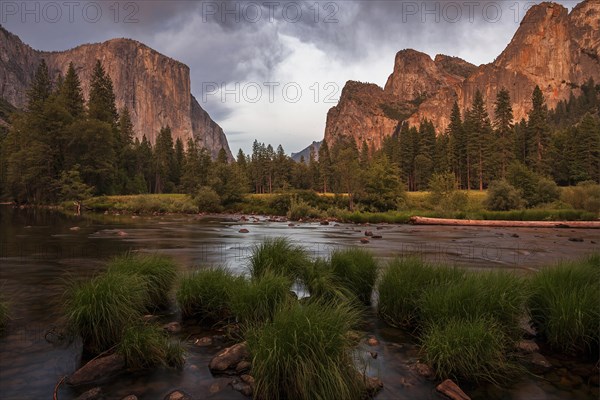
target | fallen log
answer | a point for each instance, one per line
(505, 224)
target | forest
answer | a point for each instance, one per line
(64, 148)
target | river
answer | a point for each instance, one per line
(41, 251)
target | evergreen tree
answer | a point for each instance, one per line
(325, 167)
(503, 145)
(164, 156)
(101, 104)
(457, 146)
(538, 132)
(40, 90)
(70, 93)
(479, 129)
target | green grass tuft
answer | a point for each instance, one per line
(159, 272)
(148, 346)
(256, 301)
(475, 350)
(565, 303)
(304, 353)
(99, 309)
(356, 270)
(321, 282)
(280, 256)
(402, 284)
(206, 294)
(496, 296)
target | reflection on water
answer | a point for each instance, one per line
(41, 250)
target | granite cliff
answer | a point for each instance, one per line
(552, 48)
(154, 87)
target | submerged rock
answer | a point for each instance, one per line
(178, 395)
(364, 240)
(228, 359)
(528, 346)
(372, 341)
(97, 369)
(423, 370)
(203, 341)
(172, 327)
(373, 385)
(451, 390)
(244, 230)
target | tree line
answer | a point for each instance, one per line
(61, 147)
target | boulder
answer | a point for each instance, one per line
(228, 359)
(451, 390)
(324, 222)
(243, 230)
(97, 369)
(364, 240)
(368, 233)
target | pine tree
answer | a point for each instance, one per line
(538, 132)
(325, 167)
(503, 145)
(478, 128)
(101, 104)
(164, 156)
(40, 90)
(457, 146)
(70, 93)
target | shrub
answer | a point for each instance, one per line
(356, 270)
(299, 209)
(444, 194)
(98, 310)
(564, 305)
(304, 353)
(401, 285)
(147, 346)
(158, 272)
(584, 196)
(256, 301)
(280, 204)
(502, 196)
(206, 294)
(278, 255)
(534, 188)
(207, 200)
(472, 350)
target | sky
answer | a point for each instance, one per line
(271, 69)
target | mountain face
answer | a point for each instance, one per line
(155, 88)
(553, 49)
(305, 153)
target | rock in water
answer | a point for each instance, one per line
(92, 394)
(228, 359)
(451, 390)
(178, 395)
(97, 369)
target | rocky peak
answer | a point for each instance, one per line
(155, 88)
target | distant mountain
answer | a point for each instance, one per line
(154, 87)
(306, 152)
(555, 49)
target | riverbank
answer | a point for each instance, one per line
(312, 206)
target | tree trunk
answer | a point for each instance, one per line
(514, 224)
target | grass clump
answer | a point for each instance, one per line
(564, 305)
(402, 284)
(304, 353)
(496, 296)
(280, 256)
(206, 295)
(158, 272)
(256, 301)
(321, 282)
(99, 309)
(147, 346)
(472, 350)
(356, 270)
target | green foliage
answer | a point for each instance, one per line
(356, 271)
(206, 295)
(444, 194)
(304, 353)
(72, 187)
(99, 309)
(207, 200)
(322, 282)
(300, 209)
(476, 350)
(158, 272)
(149, 346)
(257, 300)
(584, 196)
(564, 305)
(502, 196)
(535, 189)
(279, 256)
(493, 296)
(401, 286)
